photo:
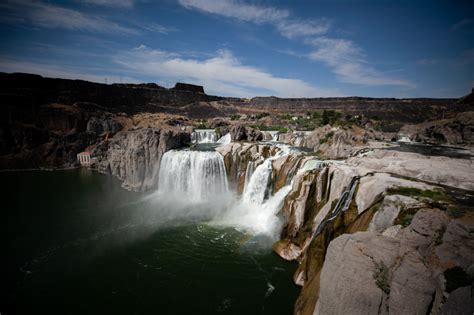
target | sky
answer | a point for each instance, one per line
(248, 48)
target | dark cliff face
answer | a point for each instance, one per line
(45, 122)
(388, 109)
(22, 94)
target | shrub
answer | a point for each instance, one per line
(381, 276)
(282, 130)
(234, 117)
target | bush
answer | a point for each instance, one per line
(261, 115)
(282, 130)
(381, 276)
(234, 117)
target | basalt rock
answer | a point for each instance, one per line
(134, 156)
(241, 159)
(454, 131)
(243, 133)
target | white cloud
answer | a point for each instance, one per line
(52, 16)
(295, 28)
(348, 62)
(220, 74)
(230, 8)
(110, 3)
(258, 14)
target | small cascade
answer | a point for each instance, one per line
(225, 139)
(404, 139)
(274, 134)
(248, 172)
(204, 136)
(195, 176)
(256, 189)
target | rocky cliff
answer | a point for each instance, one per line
(454, 131)
(135, 156)
(371, 234)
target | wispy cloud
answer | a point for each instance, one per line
(463, 24)
(46, 15)
(158, 28)
(280, 18)
(348, 62)
(110, 3)
(220, 74)
(344, 57)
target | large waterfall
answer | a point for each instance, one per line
(194, 176)
(191, 178)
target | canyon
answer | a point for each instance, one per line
(375, 207)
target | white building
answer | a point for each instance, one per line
(84, 158)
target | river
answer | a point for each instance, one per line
(77, 243)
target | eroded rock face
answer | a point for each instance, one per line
(454, 131)
(243, 133)
(134, 156)
(368, 273)
(240, 158)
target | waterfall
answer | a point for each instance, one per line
(194, 176)
(257, 210)
(204, 136)
(256, 189)
(225, 139)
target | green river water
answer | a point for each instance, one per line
(75, 242)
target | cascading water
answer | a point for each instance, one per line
(195, 176)
(204, 136)
(225, 139)
(257, 210)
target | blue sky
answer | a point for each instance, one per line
(248, 48)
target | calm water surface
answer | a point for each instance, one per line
(76, 243)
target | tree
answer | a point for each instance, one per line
(325, 119)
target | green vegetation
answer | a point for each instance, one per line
(381, 276)
(406, 219)
(435, 195)
(282, 130)
(329, 135)
(218, 131)
(330, 117)
(456, 277)
(261, 115)
(234, 117)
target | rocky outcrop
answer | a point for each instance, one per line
(405, 238)
(241, 159)
(366, 273)
(189, 87)
(134, 156)
(243, 133)
(454, 131)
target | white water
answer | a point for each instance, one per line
(404, 139)
(195, 176)
(204, 136)
(190, 178)
(225, 139)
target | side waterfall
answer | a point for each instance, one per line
(195, 176)
(204, 136)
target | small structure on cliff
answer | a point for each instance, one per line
(84, 158)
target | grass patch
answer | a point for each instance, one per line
(435, 195)
(456, 277)
(381, 277)
(330, 134)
